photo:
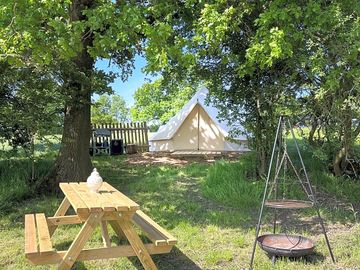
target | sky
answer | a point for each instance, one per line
(126, 89)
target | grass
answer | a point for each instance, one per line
(212, 209)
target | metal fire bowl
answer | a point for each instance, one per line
(286, 245)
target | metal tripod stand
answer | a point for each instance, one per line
(283, 156)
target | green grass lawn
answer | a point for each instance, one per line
(212, 209)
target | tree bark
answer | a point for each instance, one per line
(73, 162)
(339, 164)
(312, 131)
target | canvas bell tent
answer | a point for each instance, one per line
(196, 127)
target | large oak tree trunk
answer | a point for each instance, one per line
(73, 162)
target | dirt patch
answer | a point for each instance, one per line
(148, 158)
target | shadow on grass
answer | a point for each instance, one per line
(175, 260)
(313, 259)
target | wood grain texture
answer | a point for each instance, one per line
(76, 202)
(123, 203)
(30, 234)
(61, 211)
(63, 220)
(155, 232)
(137, 245)
(96, 253)
(80, 240)
(100, 199)
(91, 199)
(43, 233)
(105, 234)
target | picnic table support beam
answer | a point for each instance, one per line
(80, 240)
(137, 245)
(105, 234)
(61, 211)
(117, 229)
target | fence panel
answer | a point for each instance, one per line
(130, 133)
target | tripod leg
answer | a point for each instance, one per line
(265, 192)
(326, 238)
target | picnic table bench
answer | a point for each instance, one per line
(108, 206)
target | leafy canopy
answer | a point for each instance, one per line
(156, 103)
(109, 109)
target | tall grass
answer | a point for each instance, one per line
(15, 180)
(234, 183)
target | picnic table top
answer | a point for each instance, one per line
(107, 199)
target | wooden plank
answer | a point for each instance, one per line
(122, 202)
(124, 133)
(137, 133)
(64, 206)
(96, 254)
(102, 199)
(43, 233)
(154, 230)
(121, 132)
(157, 238)
(105, 234)
(132, 133)
(30, 235)
(76, 202)
(64, 220)
(146, 136)
(74, 250)
(143, 141)
(117, 229)
(117, 131)
(89, 198)
(128, 132)
(61, 211)
(137, 245)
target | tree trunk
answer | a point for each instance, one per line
(339, 164)
(338, 161)
(263, 161)
(73, 162)
(312, 131)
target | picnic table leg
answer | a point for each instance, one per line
(80, 240)
(61, 211)
(105, 233)
(117, 229)
(137, 245)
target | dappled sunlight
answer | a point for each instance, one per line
(174, 197)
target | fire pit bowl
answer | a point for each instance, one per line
(286, 245)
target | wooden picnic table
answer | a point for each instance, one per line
(108, 206)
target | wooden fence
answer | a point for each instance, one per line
(130, 133)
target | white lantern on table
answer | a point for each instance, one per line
(94, 181)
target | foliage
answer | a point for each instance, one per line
(262, 59)
(156, 102)
(109, 109)
(31, 104)
(71, 35)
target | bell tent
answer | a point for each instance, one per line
(196, 127)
